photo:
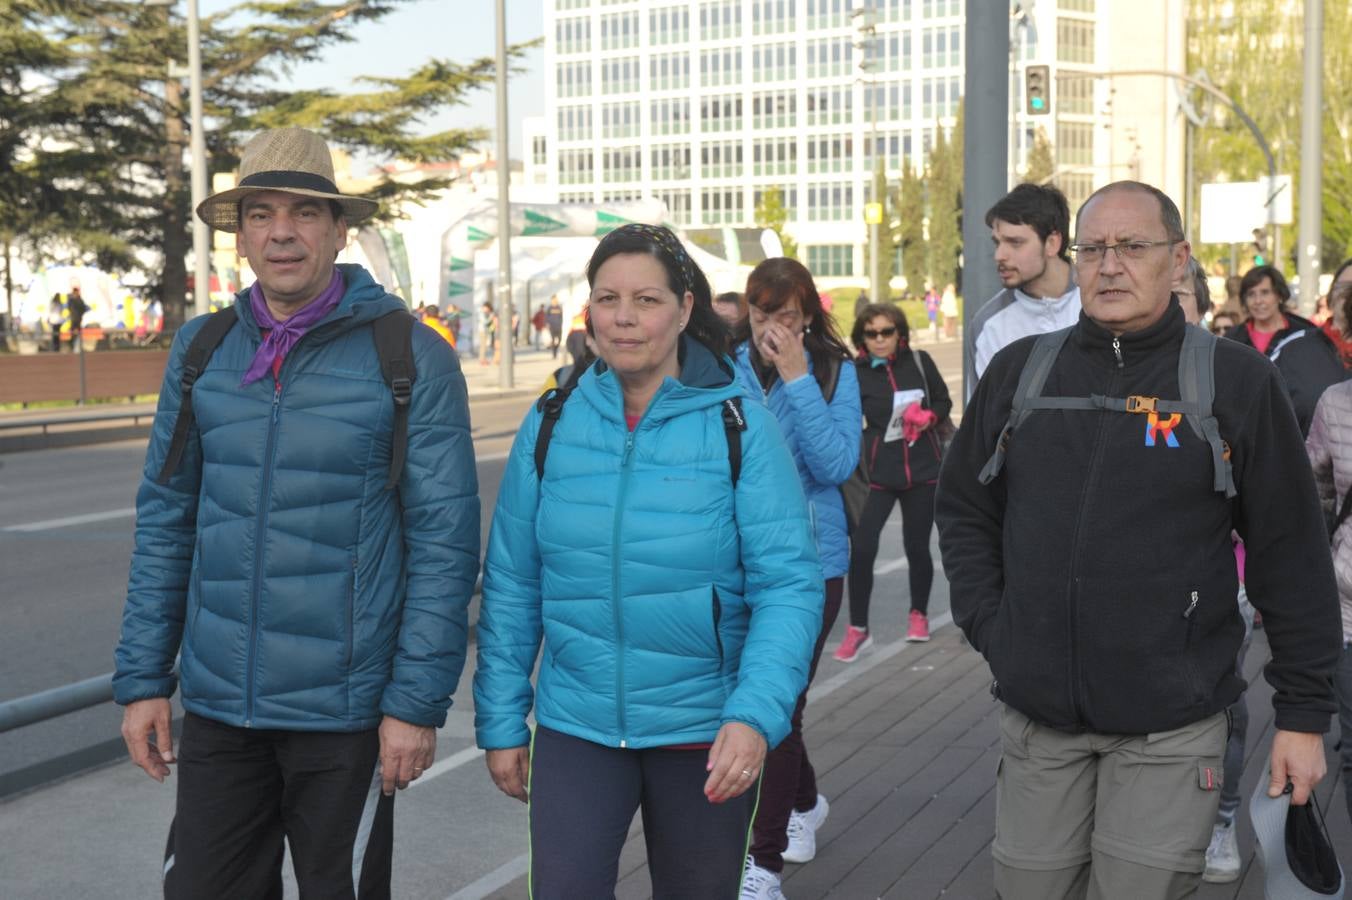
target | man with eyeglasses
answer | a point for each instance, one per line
(1029, 228)
(1095, 574)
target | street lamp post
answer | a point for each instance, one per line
(200, 238)
(867, 31)
(506, 332)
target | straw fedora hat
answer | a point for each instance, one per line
(293, 160)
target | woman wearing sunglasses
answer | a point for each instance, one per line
(903, 397)
(790, 354)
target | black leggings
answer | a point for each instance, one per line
(583, 797)
(917, 521)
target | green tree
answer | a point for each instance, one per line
(1253, 52)
(945, 208)
(909, 235)
(772, 214)
(116, 161)
(1041, 165)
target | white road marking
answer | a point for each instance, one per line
(50, 524)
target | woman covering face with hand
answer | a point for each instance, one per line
(790, 353)
(677, 601)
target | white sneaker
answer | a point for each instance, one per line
(803, 831)
(1222, 856)
(759, 884)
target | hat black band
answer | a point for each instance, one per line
(284, 179)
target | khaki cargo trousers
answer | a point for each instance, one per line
(1104, 817)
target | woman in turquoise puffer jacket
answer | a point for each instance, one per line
(677, 607)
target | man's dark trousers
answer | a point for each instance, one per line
(242, 791)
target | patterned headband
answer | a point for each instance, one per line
(668, 243)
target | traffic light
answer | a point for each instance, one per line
(1037, 90)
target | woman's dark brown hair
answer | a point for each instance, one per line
(774, 283)
(888, 311)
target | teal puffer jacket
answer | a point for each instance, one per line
(304, 595)
(668, 603)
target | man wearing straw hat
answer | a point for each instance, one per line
(308, 543)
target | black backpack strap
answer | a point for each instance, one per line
(393, 336)
(551, 404)
(1343, 510)
(833, 364)
(734, 423)
(1028, 396)
(195, 358)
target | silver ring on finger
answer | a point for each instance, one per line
(746, 773)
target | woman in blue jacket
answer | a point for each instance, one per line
(790, 353)
(677, 596)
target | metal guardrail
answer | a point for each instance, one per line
(47, 423)
(69, 698)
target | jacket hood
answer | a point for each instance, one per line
(706, 379)
(363, 301)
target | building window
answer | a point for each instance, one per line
(1077, 187)
(669, 25)
(721, 159)
(940, 97)
(941, 9)
(788, 196)
(771, 16)
(889, 146)
(669, 71)
(670, 116)
(720, 19)
(619, 31)
(575, 123)
(1074, 143)
(721, 113)
(678, 205)
(830, 105)
(774, 62)
(1075, 41)
(718, 67)
(622, 196)
(537, 151)
(885, 11)
(1076, 5)
(621, 164)
(573, 35)
(828, 57)
(619, 76)
(828, 260)
(1074, 96)
(576, 197)
(775, 156)
(888, 102)
(574, 79)
(830, 153)
(941, 48)
(562, 5)
(619, 120)
(774, 109)
(722, 206)
(576, 167)
(671, 162)
(891, 52)
(827, 13)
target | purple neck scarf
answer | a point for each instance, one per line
(282, 336)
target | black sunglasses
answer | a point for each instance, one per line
(882, 332)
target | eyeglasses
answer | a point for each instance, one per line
(1127, 251)
(881, 332)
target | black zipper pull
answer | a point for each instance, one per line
(1192, 605)
(1117, 350)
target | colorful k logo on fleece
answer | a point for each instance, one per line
(1156, 426)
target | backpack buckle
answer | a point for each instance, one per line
(1138, 404)
(402, 388)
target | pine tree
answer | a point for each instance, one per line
(772, 214)
(1041, 165)
(910, 231)
(887, 250)
(945, 209)
(115, 161)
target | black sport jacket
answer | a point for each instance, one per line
(1096, 573)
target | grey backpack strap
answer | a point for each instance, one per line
(1197, 387)
(1028, 396)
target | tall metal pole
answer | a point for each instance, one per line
(875, 263)
(1311, 140)
(984, 156)
(201, 248)
(506, 333)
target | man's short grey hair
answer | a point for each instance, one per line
(1170, 217)
(1200, 289)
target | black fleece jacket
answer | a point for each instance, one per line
(1096, 573)
(896, 464)
(1307, 360)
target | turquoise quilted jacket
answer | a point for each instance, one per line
(667, 602)
(302, 594)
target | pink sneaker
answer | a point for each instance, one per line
(856, 639)
(919, 627)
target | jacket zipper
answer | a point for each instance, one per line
(625, 469)
(718, 638)
(1117, 351)
(1188, 617)
(1073, 591)
(260, 542)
